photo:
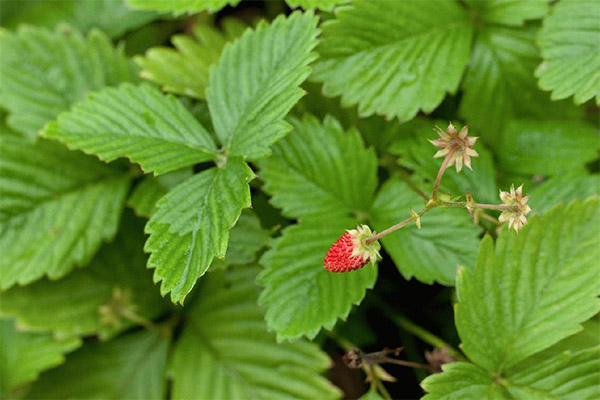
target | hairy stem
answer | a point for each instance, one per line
(436, 185)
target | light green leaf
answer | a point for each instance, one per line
(508, 12)
(300, 295)
(71, 306)
(448, 237)
(225, 351)
(320, 170)
(179, 7)
(547, 147)
(563, 189)
(137, 122)
(461, 380)
(23, 355)
(184, 70)
(256, 83)
(43, 72)
(191, 225)
(129, 367)
(499, 84)
(533, 289)
(327, 5)
(569, 44)
(57, 207)
(394, 58)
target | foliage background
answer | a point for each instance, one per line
(345, 104)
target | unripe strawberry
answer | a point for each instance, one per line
(351, 251)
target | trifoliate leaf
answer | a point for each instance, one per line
(318, 4)
(320, 170)
(97, 297)
(499, 84)
(569, 44)
(181, 6)
(532, 289)
(448, 237)
(394, 58)
(563, 189)
(43, 72)
(508, 12)
(191, 225)
(128, 367)
(300, 295)
(146, 194)
(137, 122)
(256, 82)
(57, 207)
(225, 351)
(546, 147)
(184, 70)
(23, 355)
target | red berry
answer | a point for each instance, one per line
(339, 257)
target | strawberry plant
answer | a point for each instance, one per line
(312, 199)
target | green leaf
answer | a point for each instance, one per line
(533, 289)
(72, 305)
(181, 6)
(448, 237)
(184, 70)
(320, 170)
(508, 12)
(461, 380)
(256, 83)
(225, 351)
(137, 122)
(499, 84)
(191, 225)
(327, 5)
(129, 367)
(387, 56)
(547, 147)
(43, 72)
(569, 44)
(24, 355)
(57, 207)
(563, 189)
(300, 295)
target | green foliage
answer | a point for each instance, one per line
(184, 70)
(569, 44)
(320, 4)
(53, 219)
(130, 367)
(387, 56)
(508, 12)
(181, 6)
(225, 351)
(564, 189)
(44, 72)
(25, 354)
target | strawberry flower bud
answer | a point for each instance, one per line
(457, 142)
(351, 251)
(516, 218)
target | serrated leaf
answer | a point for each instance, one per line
(184, 69)
(181, 6)
(569, 44)
(461, 380)
(256, 83)
(191, 225)
(320, 170)
(531, 290)
(327, 5)
(225, 351)
(300, 295)
(129, 367)
(137, 122)
(386, 56)
(71, 306)
(563, 189)
(23, 355)
(546, 147)
(448, 237)
(57, 207)
(499, 84)
(508, 12)
(43, 72)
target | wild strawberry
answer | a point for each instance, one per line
(517, 217)
(352, 251)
